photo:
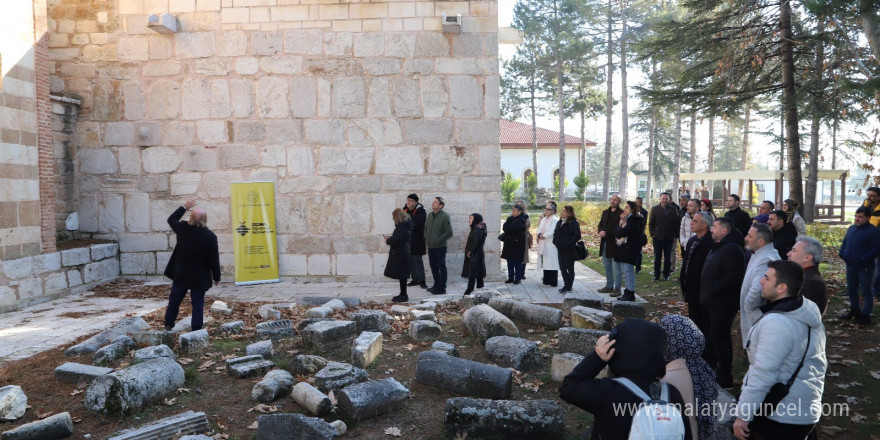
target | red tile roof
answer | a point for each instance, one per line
(516, 133)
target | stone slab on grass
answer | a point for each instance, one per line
(400, 311)
(220, 307)
(132, 388)
(293, 427)
(307, 364)
(248, 366)
(194, 341)
(312, 399)
(424, 330)
(516, 353)
(369, 399)
(508, 419)
(262, 348)
(282, 328)
(189, 422)
(627, 309)
(232, 328)
(154, 337)
(483, 322)
(266, 311)
(13, 403)
(445, 348)
(366, 348)
(326, 335)
(276, 383)
(422, 315)
(72, 372)
(52, 427)
(532, 314)
(371, 320)
(574, 299)
(462, 376)
(562, 364)
(338, 375)
(126, 326)
(590, 318)
(148, 353)
(578, 340)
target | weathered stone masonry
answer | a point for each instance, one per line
(346, 106)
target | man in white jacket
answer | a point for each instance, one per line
(760, 241)
(789, 332)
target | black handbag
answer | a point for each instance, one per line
(580, 250)
(779, 390)
(501, 237)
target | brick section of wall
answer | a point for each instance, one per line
(44, 128)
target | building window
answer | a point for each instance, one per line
(525, 177)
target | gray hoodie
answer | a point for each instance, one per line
(750, 300)
(775, 346)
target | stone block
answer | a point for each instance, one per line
(147, 134)
(477, 132)
(329, 334)
(212, 131)
(194, 44)
(221, 101)
(462, 376)
(102, 251)
(563, 364)
(52, 427)
(369, 399)
(242, 97)
(335, 161)
(427, 131)
(153, 338)
(276, 383)
(272, 95)
(329, 132)
(577, 340)
(194, 341)
(13, 403)
(422, 315)
(514, 419)
(188, 422)
(627, 309)
(484, 322)
(101, 270)
(533, 314)
(421, 66)
(108, 353)
(94, 161)
(380, 66)
(55, 282)
(266, 43)
(369, 44)
(275, 329)
(307, 364)
(266, 311)
(516, 353)
(159, 160)
(128, 390)
(399, 160)
(232, 156)
(338, 44)
(153, 352)
(590, 318)
(466, 97)
(139, 263)
(364, 132)
(400, 45)
(262, 348)
(379, 98)
(400, 311)
(221, 308)
(573, 299)
(125, 326)
(283, 65)
(232, 44)
(233, 327)
(432, 45)
(336, 376)
(277, 426)
(185, 324)
(20, 268)
(72, 372)
(405, 96)
(304, 42)
(163, 100)
(45, 263)
(365, 349)
(445, 348)
(310, 398)
(248, 366)
(318, 312)
(371, 320)
(118, 133)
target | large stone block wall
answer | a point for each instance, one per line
(347, 107)
(20, 232)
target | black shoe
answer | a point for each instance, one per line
(509, 280)
(517, 282)
(402, 298)
(863, 320)
(431, 289)
(852, 314)
(524, 277)
(606, 289)
(423, 285)
(726, 384)
(565, 289)
(479, 284)
(412, 283)
(628, 295)
(468, 292)
(169, 328)
(438, 291)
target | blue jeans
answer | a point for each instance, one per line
(174, 300)
(437, 260)
(613, 271)
(663, 251)
(515, 270)
(860, 279)
(629, 273)
(417, 268)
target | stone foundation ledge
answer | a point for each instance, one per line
(40, 278)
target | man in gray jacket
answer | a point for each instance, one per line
(438, 229)
(760, 241)
(790, 330)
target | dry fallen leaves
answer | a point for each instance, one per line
(460, 435)
(43, 415)
(75, 392)
(263, 408)
(253, 425)
(875, 374)
(332, 398)
(184, 361)
(169, 402)
(393, 431)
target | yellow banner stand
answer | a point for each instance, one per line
(253, 231)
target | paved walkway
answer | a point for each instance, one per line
(56, 324)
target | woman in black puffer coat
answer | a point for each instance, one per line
(397, 266)
(630, 236)
(566, 235)
(474, 267)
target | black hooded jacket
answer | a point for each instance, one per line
(723, 273)
(640, 356)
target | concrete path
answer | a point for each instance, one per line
(56, 324)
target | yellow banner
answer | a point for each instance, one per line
(253, 231)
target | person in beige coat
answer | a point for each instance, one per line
(548, 256)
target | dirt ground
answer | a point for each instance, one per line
(227, 401)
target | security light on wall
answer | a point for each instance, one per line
(451, 24)
(164, 24)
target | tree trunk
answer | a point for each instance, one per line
(583, 165)
(677, 155)
(534, 136)
(711, 158)
(745, 153)
(652, 139)
(870, 26)
(782, 144)
(834, 143)
(693, 168)
(561, 109)
(624, 110)
(789, 100)
(809, 211)
(609, 109)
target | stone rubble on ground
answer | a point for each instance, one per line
(13, 402)
(312, 399)
(221, 307)
(462, 376)
(366, 348)
(627, 309)
(422, 315)
(445, 348)
(577, 340)
(266, 311)
(185, 324)
(563, 364)
(108, 353)
(126, 326)
(194, 341)
(427, 305)
(533, 314)
(335, 305)
(166, 428)
(590, 318)
(371, 320)
(319, 312)
(153, 352)
(279, 426)
(483, 322)
(72, 372)
(232, 328)
(508, 419)
(300, 325)
(262, 348)
(306, 364)
(338, 375)
(248, 366)
(275, 329)
(340, 427)
(275, 384)
(128, 390)
(424, 330)
(196, 437)
(52, 427)
(327, 335)
(574, 299)
(369, 399)
(399, 311)
(516, 353)
(153, 337)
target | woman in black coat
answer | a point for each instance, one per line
(515, 229)
(566, 235)
(397, 266)
(629, 234)
(474, 267)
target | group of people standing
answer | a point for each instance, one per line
(557, 235)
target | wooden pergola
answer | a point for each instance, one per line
(822, 212)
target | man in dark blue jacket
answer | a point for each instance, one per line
(860, 246)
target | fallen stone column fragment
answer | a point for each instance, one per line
(508, 419)
(185, 423)
(463, 376)
(130, 389)
(370, 399)
(50, 428)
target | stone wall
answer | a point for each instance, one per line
(20, 232)
(347, 107)
(39, 278)
(65, 112)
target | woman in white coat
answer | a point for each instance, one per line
(548, 256)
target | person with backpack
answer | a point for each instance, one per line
(635, 352)
(630, 237)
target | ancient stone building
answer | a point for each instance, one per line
(347, 106)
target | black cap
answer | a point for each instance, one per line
(413, 196)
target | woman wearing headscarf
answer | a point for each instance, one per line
(689, 373)
(474, 267)
(397, 266)
(515, 230)
(548, 258)
(790, 206)
(636, 350)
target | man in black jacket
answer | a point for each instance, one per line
(741, 219)
(784, 233)
(636, 352)
(720, 284)
(663, 228)
(608, 247)
(693, 258)
(193, 264)
(417, 245)
(644, 213)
